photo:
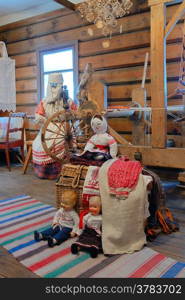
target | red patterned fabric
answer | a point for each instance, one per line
(85, 199)
(102, 147)
(123, 176)
(82, 214)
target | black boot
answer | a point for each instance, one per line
(93, 252)
(37, 236)
(51, 242)
(74, 249)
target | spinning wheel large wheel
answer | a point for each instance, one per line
(63, 134)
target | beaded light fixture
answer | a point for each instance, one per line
(104, 14)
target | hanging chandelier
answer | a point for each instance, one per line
(104, 13)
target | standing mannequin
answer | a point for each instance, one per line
(44, 166)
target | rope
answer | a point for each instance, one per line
(76, 179)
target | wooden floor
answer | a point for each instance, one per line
(15, 183)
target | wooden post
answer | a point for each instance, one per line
(139, 95)
(96, 93)
(158, 73)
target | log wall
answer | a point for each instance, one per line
(120, 66)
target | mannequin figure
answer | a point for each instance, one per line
(90, 238)
(101, 146)
(65, 222)
(44, 166)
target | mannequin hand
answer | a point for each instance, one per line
(72, 234)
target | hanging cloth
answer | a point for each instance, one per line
(7, 81)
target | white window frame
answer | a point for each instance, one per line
(56, 48)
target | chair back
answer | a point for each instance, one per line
(15, 126)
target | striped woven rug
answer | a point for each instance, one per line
(21, 215)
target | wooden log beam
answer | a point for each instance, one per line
(178, 14)
(120, 139)
(158, 75)
(67, 4)
(167, 2)
(169, 157)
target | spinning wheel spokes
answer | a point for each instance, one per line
(54, 138)
(54, 122)
(52, 147)
(60, 135)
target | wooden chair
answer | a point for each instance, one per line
(28, 156)
(8, 142)
(29, 142)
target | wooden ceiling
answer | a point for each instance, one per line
(67, 4)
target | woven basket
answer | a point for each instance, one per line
(72, 177)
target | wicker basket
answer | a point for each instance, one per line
(72, 177)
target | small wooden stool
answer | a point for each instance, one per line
(28, 156)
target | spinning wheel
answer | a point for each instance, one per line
(65, 133)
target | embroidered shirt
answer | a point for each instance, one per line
(102, 142)
(67, 219)
(94, 222)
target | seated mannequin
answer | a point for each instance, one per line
(101, 146)
(90, 238)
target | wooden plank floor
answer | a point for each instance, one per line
(173, 245)
(15, 183)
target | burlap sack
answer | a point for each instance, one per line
(123, 220)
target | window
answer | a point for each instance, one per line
(61, 59)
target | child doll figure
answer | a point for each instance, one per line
(101, 146)
(90, 238)
(65, 222)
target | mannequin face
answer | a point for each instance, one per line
(67, 204)
(56, 90)
(94, 206)
(99, 125)
(68, 201)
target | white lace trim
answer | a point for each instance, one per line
(8, 106)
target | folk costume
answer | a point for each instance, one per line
(44, 166)
(65, 222)
(91, 235)
(90, 238)
(100, 147)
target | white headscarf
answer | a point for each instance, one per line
(54, 92)
(99, 124)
